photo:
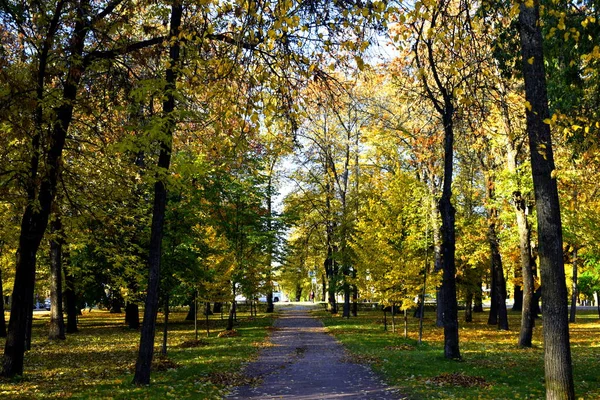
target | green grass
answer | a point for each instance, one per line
(507, 371)
(98, 362)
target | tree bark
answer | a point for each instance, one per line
(500, 282)
(354, 300)
(35, 217)
(478, 299)
(346, 310)
(70, 301)
(527, 267)
(146, 349)
(163, 350)
(231, 317)
(557, 351)
(575, 293)
(448, 248)
(469, 306)
(132, 315)
(517, 298)
(57, 323)
(2, 319)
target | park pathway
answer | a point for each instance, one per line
(306, 363)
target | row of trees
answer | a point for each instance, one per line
(431, 145)
(133, 131)
(148, 135)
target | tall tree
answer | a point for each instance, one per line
(146, 348)
(557, 351)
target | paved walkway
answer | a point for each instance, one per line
(304, 362)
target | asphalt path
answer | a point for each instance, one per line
(304, 362)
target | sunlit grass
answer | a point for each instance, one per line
(98, 361)
(510, 372)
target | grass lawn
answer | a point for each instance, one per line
(493, 367)
(98, 361)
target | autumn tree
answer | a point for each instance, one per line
(557, 351)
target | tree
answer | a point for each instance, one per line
(557, 351)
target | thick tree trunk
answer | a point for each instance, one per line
(57, 323)
(575, 293)
(132, 315)
(146, 349)
(35, 217)
(218, 306)
(557, 351)
(448, 248)
(324, 288)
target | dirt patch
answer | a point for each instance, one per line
(458, 379)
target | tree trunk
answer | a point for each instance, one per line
(57, 323)
(437, 259)
(493, 317)
(146, 349)
(270, 304)
(478, 299)
(2, 319)
(324, 287)
(207, 310)
(557, 351)
(574, 288)
(354, 300)
(527, 267)
(165, 326)
(70, 301)
(132, 315)
(469, 306)
(217, 307)
(116, 302)
(35, 217)
(517, 298)
(448, 248)
(500, 282)
(192, 311)
(523, 296)
(231, 316)
(346, 310)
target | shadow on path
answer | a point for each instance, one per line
(304, 362)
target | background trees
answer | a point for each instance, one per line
(422, 147)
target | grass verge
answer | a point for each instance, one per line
(493, 366)
(98, 362)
